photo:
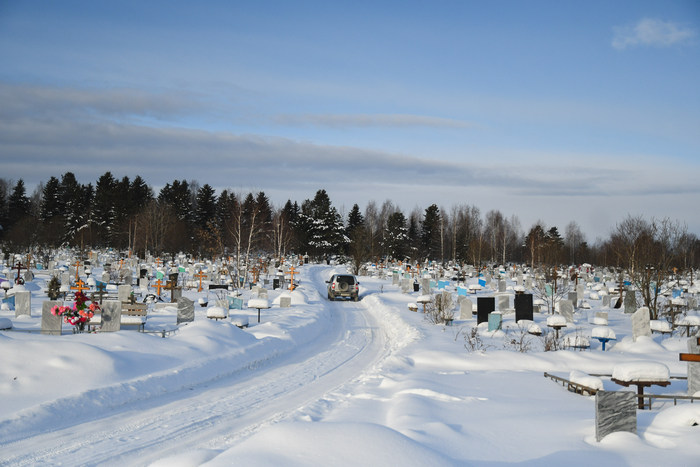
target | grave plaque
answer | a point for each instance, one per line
(123, 293)
(630, 302)
(185, 310)
(503, 302)
(465, 309)
(615, 411)
(23, 303)
(111, 316)
(495, 321)
(285, 302)
(523, 307)
(640, 323)
(566, 309)
(484, 306)
(50, 324)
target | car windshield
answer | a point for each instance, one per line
(347, 279)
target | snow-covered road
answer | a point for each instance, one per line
(221, 411)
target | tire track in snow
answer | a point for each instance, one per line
(225, 411)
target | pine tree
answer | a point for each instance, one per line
(17, 205)
(430, 232)
(396, 236)
(103, 212)
(206, 207)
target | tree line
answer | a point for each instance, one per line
(126, 214)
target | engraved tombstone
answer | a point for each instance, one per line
(465, 309)
(23, 303)
(484, 306)
(111, 316)
(615, 411)
(630, 302)
(185, 310)
(523, 307)
(50, 324)
(640, 323)
(566, 309)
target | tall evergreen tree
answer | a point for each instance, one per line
(17, 205)
(430, 232)
(206, 207)
(396, 236)
(103, 211)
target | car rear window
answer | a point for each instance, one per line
(347, 279)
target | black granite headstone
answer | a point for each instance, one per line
(523, 307)
(484, 306)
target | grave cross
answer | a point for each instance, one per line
(158, 285)
(171, 286)
(77, 269)
(159, 262)
(100, 291)
(200, 275)
(19, 267)
(79, 286)
(291, 273)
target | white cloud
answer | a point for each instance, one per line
(373, 120)
(652, 32)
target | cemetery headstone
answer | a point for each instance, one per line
(185, 310)
(580, 291)
(176, 294)
(503, 302)
(65, 278)
(615, 411)
(501, 285)
(406, 285)
(566, 309)
(123, 292)
(425, 285)
(466, 308)
(111, 316)
(23, 303)
(484, 306)
(50, 324)
(285, 302)
(630, 301)
(395, 278)
(105, 277)
(606, 301)
(523, 307)
(641, 323)
(495, 321)
(573, 298)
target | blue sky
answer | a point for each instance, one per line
(552, 111)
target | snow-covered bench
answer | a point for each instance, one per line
(134, 314)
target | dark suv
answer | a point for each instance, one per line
(343, 286)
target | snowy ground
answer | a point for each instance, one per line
(323, 383)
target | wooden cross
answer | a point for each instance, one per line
(690, 357)
(171, 286)
(159, 262)
(291, 273)
(158, 285)
(121, 263)
(256, 274)
(77, 269)
(100, 291)
(79, 286)
(200, 275)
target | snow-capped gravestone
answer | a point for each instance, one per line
(185, 310)
(615, 411)
(466, 308)
(484, 306)
(566, 309)
(630, 301)
(50, 323)
(495, 321)
(23, 303)
(640, 323)
(523, 307)
(285, 301)
(503, 302)
(111, 316)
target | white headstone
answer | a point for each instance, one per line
(566, 309)
(50, 323)
(23, 303)
(641, 323)
(466, 308)
(123, 292)
(111, 315)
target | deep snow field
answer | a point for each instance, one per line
(325, 383)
